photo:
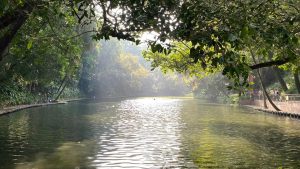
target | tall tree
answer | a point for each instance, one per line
(297, 81)
(43, 51)
(280, 79)
(227, 28)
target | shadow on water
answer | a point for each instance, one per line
(232, 137)
(271, 139)
(29, 135)
(66, 155)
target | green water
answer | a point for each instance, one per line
(147, 133)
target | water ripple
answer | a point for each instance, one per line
(147, 135)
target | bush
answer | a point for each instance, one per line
(70, 93)
(11, 94)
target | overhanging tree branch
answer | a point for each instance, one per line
(8, 36)
(262, 83)
(11, 17)
(14, 23)
(272, 63)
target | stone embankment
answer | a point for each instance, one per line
(288, 109)
(11, 109)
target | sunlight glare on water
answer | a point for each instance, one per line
(146, 136)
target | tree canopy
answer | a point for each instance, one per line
(220, 34)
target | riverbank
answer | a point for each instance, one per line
(11, 109)
(280, 113)
(288, 109)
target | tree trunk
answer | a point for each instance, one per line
(266, 93)
(11, 17)
(61, 84)
(14, 22)
(263, 85)
(9, 35)
(60, 92)
(276, 71)
(297, 81)
(265, 101)
(280, 79)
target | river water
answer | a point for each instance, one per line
(147, 133)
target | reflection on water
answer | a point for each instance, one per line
(18, 135)
(147, 133)
(226, 137)
(68, 155)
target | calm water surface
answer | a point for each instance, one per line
(147, 133)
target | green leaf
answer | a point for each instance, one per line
(3, 5)
(137, 42)
(294, 40)
(29, 44)
(244, 32)
(232, 37)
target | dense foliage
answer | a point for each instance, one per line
(43, 42)
(41, 57)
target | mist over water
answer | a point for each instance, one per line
(118, 69)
